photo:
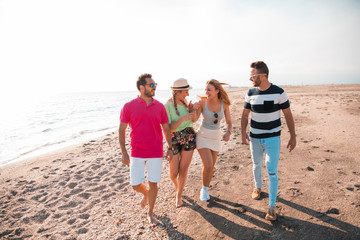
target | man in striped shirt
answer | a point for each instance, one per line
(265, 101)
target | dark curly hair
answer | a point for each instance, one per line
(142, 80)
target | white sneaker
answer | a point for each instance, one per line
(204, 195)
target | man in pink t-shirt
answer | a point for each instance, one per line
(145, 117)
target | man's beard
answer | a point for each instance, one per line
(257, 83)
(150, 93)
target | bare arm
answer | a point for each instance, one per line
(244, 122)
(125, 156)
(173, 126)
(226, 136)
(167, 134)
(291, 125)
(199, 110)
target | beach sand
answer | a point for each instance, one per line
(83, 191)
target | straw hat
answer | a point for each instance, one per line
(180, 84)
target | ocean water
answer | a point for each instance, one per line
(42, 124)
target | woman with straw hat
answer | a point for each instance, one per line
(181, 118)
(213, 108)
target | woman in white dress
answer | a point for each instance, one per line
(213, 108)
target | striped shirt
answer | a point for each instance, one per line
(265, 109)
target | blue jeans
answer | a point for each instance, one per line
(271, 148)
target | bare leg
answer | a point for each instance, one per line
(152, 193)
(208, 158)
(214, 158)
(174, 169)
(141, 188)
(186, 157)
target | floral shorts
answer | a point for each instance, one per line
(184, 140)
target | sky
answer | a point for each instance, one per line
(49, 46)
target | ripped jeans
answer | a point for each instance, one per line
(271, 148)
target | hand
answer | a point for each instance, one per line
(169, 155)
(226, 137)
(292, 144)
(125, 159)
(196, 106)
(245, 138)
(188, 117)
(191, 106)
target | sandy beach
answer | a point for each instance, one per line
(83, 191)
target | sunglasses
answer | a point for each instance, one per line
(216, 116)
(252, 76)
(152, 85)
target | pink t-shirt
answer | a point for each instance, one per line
(145, 129)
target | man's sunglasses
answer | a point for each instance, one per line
(252, 76)
(152, 85)
(216, 116)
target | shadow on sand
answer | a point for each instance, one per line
(283, 228)
(171, 230)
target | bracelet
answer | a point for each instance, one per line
(170, 149)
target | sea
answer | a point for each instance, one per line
(42, 124)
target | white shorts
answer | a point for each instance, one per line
(137, 170)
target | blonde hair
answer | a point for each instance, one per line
(222, 95)
(174, 92)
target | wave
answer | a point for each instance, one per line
(81, 136)
(46, 130)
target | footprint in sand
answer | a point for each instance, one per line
(40, 216)
(82, 231)
(94, 167)
(71, 221)
(13, 192)
(62, 183)
(295, 192)
(78, 177)
(103, 173)
(76, 191)
(41, 197)
(85, 195)
(84, 216)
(107, 196)
(99, 188)
(72, 185)
(70, 204)
(96, 178)
(121, 186)
(57, 216)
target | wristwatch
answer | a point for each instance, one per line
(170, 149)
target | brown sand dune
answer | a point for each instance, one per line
(82, 192)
